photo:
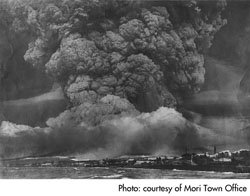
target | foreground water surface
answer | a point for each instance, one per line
(110, 173)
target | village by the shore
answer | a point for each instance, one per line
(224, 161)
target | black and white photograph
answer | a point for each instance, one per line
(125, 89)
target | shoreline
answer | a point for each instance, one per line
(225, 161)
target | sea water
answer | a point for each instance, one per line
(111, 173)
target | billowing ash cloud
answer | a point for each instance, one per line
(164, 131)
